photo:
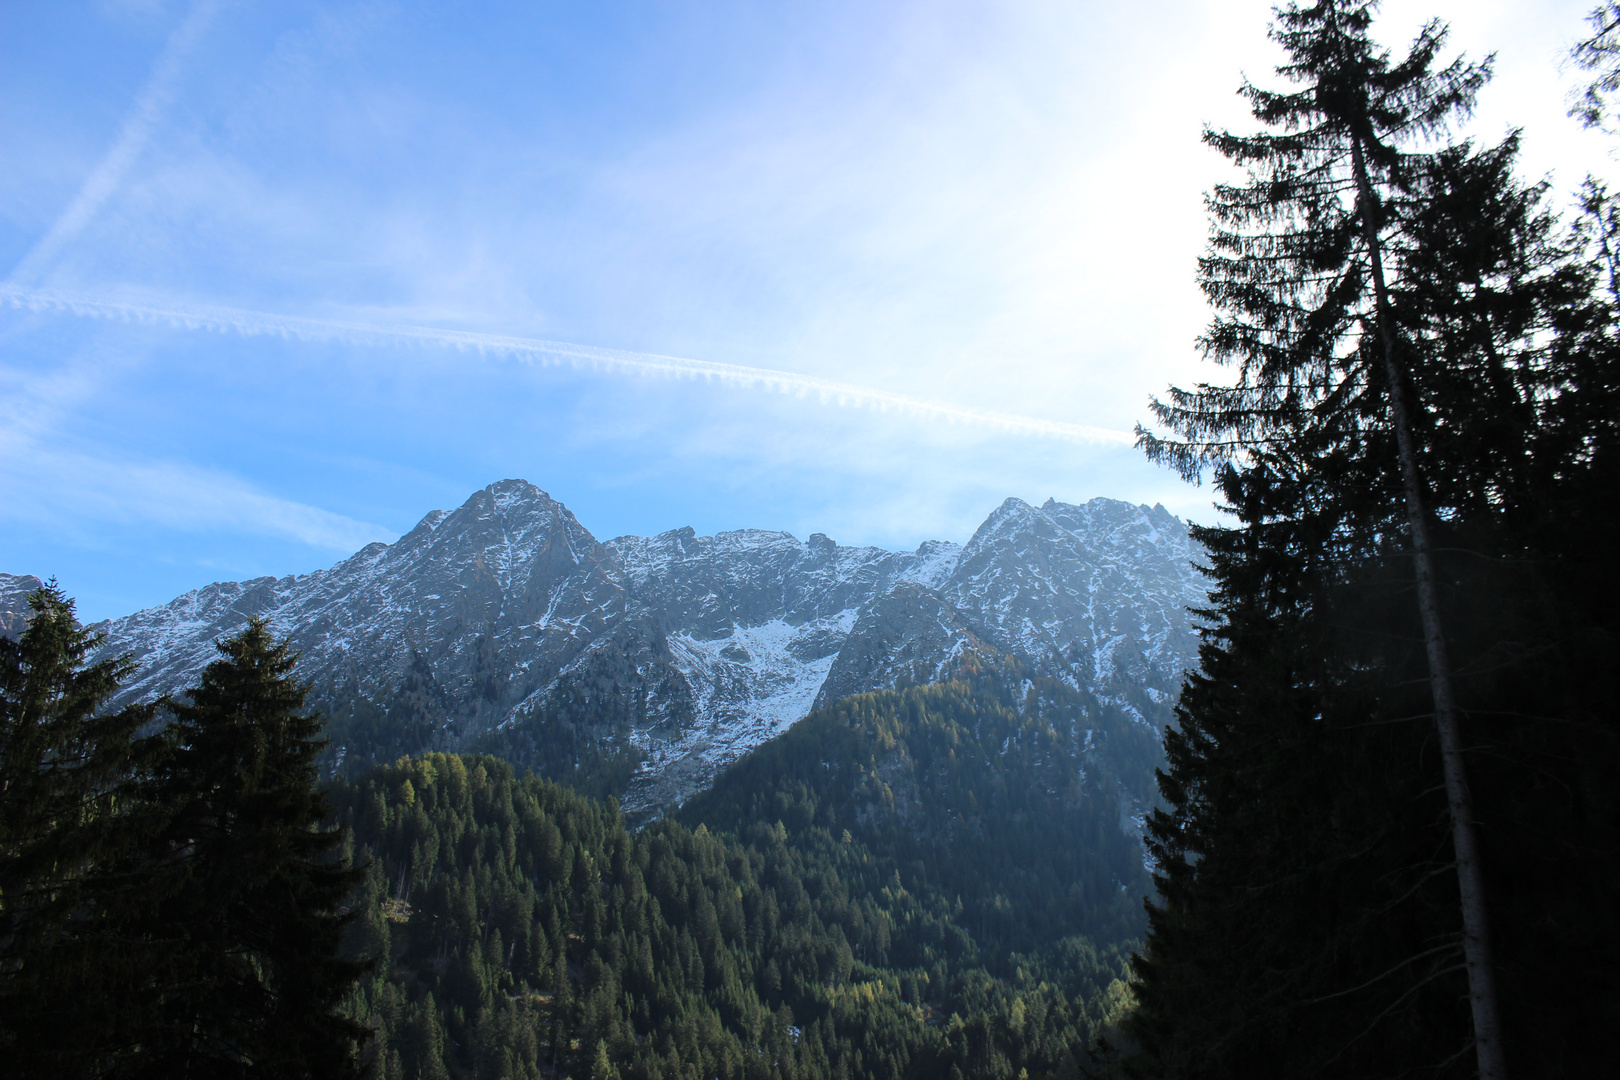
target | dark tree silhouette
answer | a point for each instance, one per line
(254, 912)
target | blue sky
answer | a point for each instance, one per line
(271, 274)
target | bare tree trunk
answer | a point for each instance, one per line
(1464, 835)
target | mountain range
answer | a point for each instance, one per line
(640, 666)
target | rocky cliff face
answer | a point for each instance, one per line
(14, 592)
(505, 624)
(1096, 595)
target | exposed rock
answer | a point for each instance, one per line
(505, 624)
(908, 636)
(14, 592)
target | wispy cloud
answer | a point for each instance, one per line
(534, 350)
(57, 477)
(151, 103)
(67, 488)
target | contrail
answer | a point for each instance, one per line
(150, 103)
(534, 350)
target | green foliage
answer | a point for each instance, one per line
(250, 922)
(525, 931)
(1000, 791)
(66, 766)
(1308, 921)
(176, 908)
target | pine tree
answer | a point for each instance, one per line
(1407, 331)
(254, 917)
(66, 767)
(1599, 53)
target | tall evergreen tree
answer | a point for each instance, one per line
(253, 917)
(66, 766)
(1302, 262)
(1408, 333)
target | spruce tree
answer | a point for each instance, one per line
(1406, 328)
(254, 915)
(67, 765)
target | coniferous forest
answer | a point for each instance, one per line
(909, 883)
(1387, 834)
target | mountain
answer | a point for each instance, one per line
(1010, 793)
(14, 592)
(639, 666)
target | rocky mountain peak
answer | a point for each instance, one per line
(1013, 514)
(504, 624)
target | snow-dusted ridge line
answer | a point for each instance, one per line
(490, 618)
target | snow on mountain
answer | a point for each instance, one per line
(1095, 594)
(505, 619)
(14, 592)
(908, 636)
(511, 574)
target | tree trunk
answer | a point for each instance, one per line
(1464, 835)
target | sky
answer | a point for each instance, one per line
(277, 279)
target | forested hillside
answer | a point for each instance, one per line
(1014, 795)
(925, 906)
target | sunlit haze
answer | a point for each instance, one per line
(276, 279)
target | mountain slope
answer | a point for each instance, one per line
(1014, 794)
(526, 932)
(14, 592)
(640, 666)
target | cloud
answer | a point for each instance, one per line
(54, 477)
(66, 488)
(150, 105)
(533, 350)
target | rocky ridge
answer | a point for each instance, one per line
(506, 624)
(14, 592)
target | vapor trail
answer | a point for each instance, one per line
(534, 350)
(150, 104)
